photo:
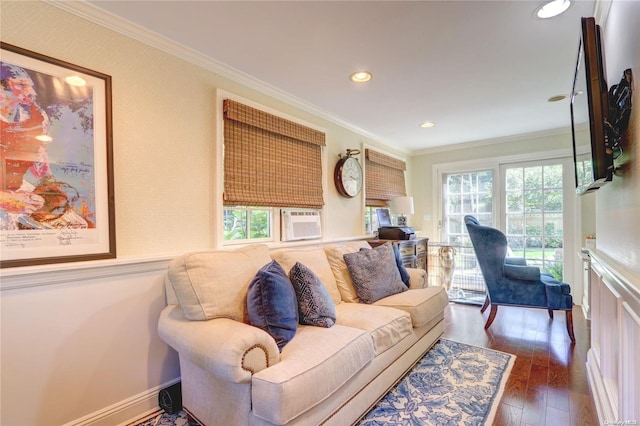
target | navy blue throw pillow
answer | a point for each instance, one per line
(272, 304)
(404, 274)
(315, 306)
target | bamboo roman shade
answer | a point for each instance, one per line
(384, 178)
(270, 161)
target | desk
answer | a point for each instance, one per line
(413, 252)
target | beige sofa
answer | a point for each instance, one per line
(233, 373)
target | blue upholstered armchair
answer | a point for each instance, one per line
(511, 282)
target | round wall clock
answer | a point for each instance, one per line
(348, 175)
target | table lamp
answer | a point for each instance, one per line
(402, 206)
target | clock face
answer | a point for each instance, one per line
(351, 177)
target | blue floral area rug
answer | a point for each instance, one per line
(453, 384)
(165, 419)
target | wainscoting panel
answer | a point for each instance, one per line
(630, 389)
(612, 361)
(80, 344)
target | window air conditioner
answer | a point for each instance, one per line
(300, 225)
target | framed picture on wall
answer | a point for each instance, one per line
(56, 161)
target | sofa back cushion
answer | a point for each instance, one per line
(314, 259)
(214, 284)
(343, 279)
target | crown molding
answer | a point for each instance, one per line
(485, 142)
(90, 12)
(601, 11)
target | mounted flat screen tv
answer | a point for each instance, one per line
(589, 109)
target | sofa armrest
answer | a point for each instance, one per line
(526, 273)
(229, 349)
(417, 278)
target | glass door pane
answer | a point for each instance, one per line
(534, 215)
(462, 194)
(465, 193)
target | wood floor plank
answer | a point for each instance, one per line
(508, 415)
(515, 390)
(557, 417)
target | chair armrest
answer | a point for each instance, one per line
(515, 261)
(417, 278)
(229, 349)
(526, 273)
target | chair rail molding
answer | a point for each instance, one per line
(46, 275)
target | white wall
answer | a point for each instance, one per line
(612, 360)
(79, 342)
(618, 203)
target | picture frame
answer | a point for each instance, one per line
(384, 218)
(57, 200)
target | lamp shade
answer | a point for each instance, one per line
(402, 205)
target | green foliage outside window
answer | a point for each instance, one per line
(242, 223)
(259, 224)
(555, 269)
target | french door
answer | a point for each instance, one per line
(531, 202)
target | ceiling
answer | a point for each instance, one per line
(478, 69)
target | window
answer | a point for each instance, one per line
(371, 220)
(269, 162)
(384, 180)
(463, 194)
(247, 223)
(534, 215)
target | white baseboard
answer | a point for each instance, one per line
(127, 411)
(603, 407)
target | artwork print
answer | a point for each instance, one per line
(56, 199)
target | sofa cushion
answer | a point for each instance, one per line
(314, 259)
(387, 326)
(343, 279)
(206, 287)
(272, 304)
(315, 306)
(374, 273)
(423, 304)
(316, 363)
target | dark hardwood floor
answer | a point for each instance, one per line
(548, 383)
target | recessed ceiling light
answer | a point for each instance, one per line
(361, 76)
(427, 124)
(552, 8)
(557, 98)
